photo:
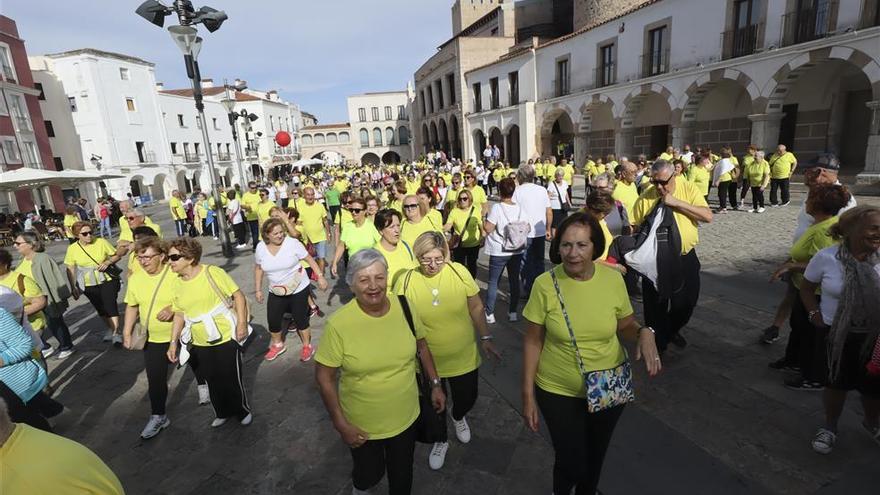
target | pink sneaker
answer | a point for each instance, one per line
(307, 352)
(275, 351)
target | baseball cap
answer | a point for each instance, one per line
(827, 161)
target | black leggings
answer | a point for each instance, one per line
(156, 365)
(221, 367)
(23, 412)
(394, 455)
(467, 256)
(780, 185)
(757, 197)
(240, 230)
(727, 189)
(463, 391)
(806, 344)
(580, 440)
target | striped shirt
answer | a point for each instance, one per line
(20, 372)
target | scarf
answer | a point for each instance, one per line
(858, 311)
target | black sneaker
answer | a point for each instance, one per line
(782, 364)
(679, 341)
(770, 334)
(801, 384)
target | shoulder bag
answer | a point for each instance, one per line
(229, 302)
(565, 205)
(605, 388)
(455, 238)
(112, 270)
(142, 329)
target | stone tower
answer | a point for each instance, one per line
(465, 12)
(587, 12)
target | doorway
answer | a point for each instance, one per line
(854, 139)
(788, 125)
(659, 139)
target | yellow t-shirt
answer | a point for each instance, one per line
(729, 175)
(451, 196)
(700, 177)
(549, 171)
(409, 231)
(687, 228)
(665, 156)
(178, 212)
(449, 329)
(498, 174)
(195, 298)
(141, 286)
(568, 172)
(466, 223)
(780, 166)
(69, 220)
(399, 261)
(346, 217)
(201, 210)
(594, 307)
(31, 290)
(250, 200)
(356, 238)
(376, 357)
(76, 256)
(608, 239)
(312, 218)
(479, 196)
(78, 469)
(814, 239)
(341, 185)
(539, 169)
(626, 194)
(755, 172)
(125, 234)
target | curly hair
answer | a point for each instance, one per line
(189, 248)
(597, 237)
(828, 198)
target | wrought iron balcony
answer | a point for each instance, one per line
(605, 75)
(190, 157)
(741, 41)
(800, 26)
(655, 62)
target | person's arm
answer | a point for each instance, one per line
(643, 336)
(533, 344)
(121, 251)
(793, 165)
(325, 376)
(438, 398)
(811, 303)
(478, 317)
(35, 305)
(548, 214)
(258, 283)
(240, 303)
(131, 316)
(695, 213)
(17, 341)
(326, 224)
(337, 255)
(789, 266)
(71, 279)
(322, 282)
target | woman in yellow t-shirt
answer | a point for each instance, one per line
(464, 222)
(420, 218)
(447, 299)
(398, 254)
(375, 402)
(211, 313)
(356, 235)
(588, 310)
(70, 218)
(87, 261)
(148, 299)
(756, 176)
(27, 288)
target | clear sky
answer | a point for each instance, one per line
(315, 52)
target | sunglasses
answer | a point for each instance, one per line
(658, 182)
(469, 177)
(130, 218)
(175, 257)
(355, 211)
(84, 234)
(464, 198)
(410, 206)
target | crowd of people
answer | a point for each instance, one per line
(406, 240)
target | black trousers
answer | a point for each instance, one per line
(727, 189)
(57, 327)
(240, 231)
(23, 412)
(667, 316)
(580, 440)
(220, 365)
(392, 455)
(156, 366)
(779, 185)
(806, 344)
(757, 197)
(463, 391)
(254, 226)
(467, 256)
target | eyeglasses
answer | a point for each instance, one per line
(263, 195)
(658, 182)
(84, 234)
(431, 261)
(130, 218)
(175, 257)
(456, 182)
(410, 206)
(355, 211)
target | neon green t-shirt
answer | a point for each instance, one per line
(814, 239)
(466, 223)
(399, 261)
(356, 238)
(196, 298)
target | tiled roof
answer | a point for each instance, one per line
(188, 93)
(101, 53)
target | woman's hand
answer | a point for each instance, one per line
(241, 331)
(782, 270)
(530, 413)
(489, 349)
(76, 292)
(438, 399)
(172, 351)
(647, 348)
(333, 270)
(259, 296)
(103, 266)
(165, 315)
(353, 436)
(817, 321)
(322, 283)
(126, 340)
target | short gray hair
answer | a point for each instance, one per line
(661, 165)
(759, 155)
(606, 177)
(137, 212)
(525, 173)
(363, 259)
(34, 240)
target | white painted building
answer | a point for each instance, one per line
(115, 110)
(380, 126)
(753, 71)
(329, 142)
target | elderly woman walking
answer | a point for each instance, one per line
(371, 343)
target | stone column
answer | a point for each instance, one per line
(765, 130)
(684, 134)
(871, 173)
(623, 142)
(581, 149)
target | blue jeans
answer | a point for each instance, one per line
(533, 262)
(104, 227)
(180, 225)
(497, 264)
(254, 226)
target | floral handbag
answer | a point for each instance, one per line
(605, 388)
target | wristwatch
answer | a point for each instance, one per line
(435, 383)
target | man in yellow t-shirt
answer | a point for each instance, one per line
(782, 165)
(178, 213)
(316, 227)
(249, 202)
(667, 312)
(625, 189)
(263, 208)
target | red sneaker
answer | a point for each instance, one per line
(307, 352)
(275, 351)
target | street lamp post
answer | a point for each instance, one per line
(186, 37)
(229, 104)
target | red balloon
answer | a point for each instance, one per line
(282, 138)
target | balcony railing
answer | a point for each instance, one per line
(561, 87)
(741, 41)
(190, 157)
(655, 62)
(223, 156)
(251, 152)
(605, 75)
(808, 24)
(147, 157)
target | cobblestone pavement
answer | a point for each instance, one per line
(716, 421)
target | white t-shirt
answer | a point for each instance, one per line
(233, 208)
(557, 198)
(282, 267)
(534, 201)
(282, 190)
(825, 269)
(500, 215)
(271, 190)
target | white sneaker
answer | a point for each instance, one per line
(512, 316)
(117, 339)
(108, 336)
(751, 210)
(155, 425)
(218, 422)
(355, 491)
(216, 238)
(247, 419)
(242, 246)
(47, 352)
(64, 354)
(762, 209)
(204, 395)
(438, 455)
(462, 430)
(824, 440)
(490, 319)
